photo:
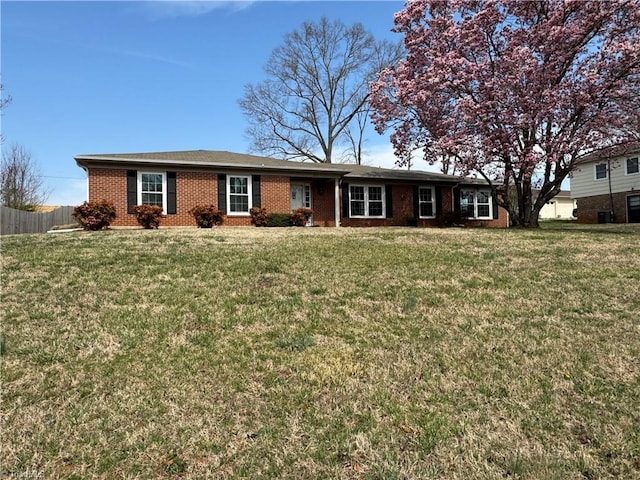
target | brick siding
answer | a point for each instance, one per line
(589, 207)
(200, 188)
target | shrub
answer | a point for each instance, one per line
(258, 216)
(148, 216)
(279, 220)
(451, 219)
(207, 216)
(95, 215)
(300, 216)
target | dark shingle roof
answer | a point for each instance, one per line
(230, 160)
(611, 151)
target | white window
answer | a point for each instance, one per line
(152, 189)
(427, 202)
(600, 171)
(238, 194)
(476, 203)
(632, 166)
(366, 201)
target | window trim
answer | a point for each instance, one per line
(595, 171)
(476, 191)
(433, 200)
(249, 194)
(367, 201)
(626, 166)
(164, 187)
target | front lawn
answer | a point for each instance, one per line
(322, 353)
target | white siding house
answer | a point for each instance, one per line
(606, 185)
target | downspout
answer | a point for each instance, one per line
(86, 170)
(612, 218)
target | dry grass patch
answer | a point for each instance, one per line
(322, 353)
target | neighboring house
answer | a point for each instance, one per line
(561, 206)
(339, 194)
(606, 185)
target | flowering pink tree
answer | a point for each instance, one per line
(516, 91)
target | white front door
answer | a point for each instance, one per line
(301, 197)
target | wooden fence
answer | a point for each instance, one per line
(17, 221)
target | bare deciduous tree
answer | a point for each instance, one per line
(312, 102)
(21, 185)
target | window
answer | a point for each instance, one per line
(366, 201)
(426, 202)
(152, 189)
(476, 203)
(632, 166)
(238, 194)
(601, 171)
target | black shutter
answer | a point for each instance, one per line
(255, 191)
(222, 193)
(495, 207)
(171, 193)
(416, 202)
(438, 201)
(132, 190)
(345, 200)
(388, 200)
(456, 199)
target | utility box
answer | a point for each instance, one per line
(604, 217)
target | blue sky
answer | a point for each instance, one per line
(116, 77)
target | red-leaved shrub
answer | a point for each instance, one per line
(95, 215)
(258, 216)
(207, 216)
(300, 216)
(148, 216)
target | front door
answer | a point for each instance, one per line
(633, 209)
(301, 197)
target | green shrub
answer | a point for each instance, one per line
(300, 216)
(279, 220)
(95, 215)
(258, 216)
(148, 216)
(207, 216)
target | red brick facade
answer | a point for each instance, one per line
(200, 188)
(597, 209)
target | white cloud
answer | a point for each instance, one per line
(382, 155)
(172, 8)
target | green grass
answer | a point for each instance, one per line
(322, 353)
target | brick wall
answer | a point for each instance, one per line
(589, 207)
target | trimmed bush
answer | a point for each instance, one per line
(207, 216)
(258, 216)
(300, 216)
(148, 216)
(279, 220)
(95, 215)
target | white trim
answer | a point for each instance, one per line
(367, 201)
(249, 193)
(476, 191)
(433, 200)
(595, 171)
(626, 166)
(626, 204)
(164, 187)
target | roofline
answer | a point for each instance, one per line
(291, 167)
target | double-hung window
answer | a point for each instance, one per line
(632, 166)
(152, 189)
(238, 194)
(476, 203)
(600, 171)
(426, 202)
(366, 201)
